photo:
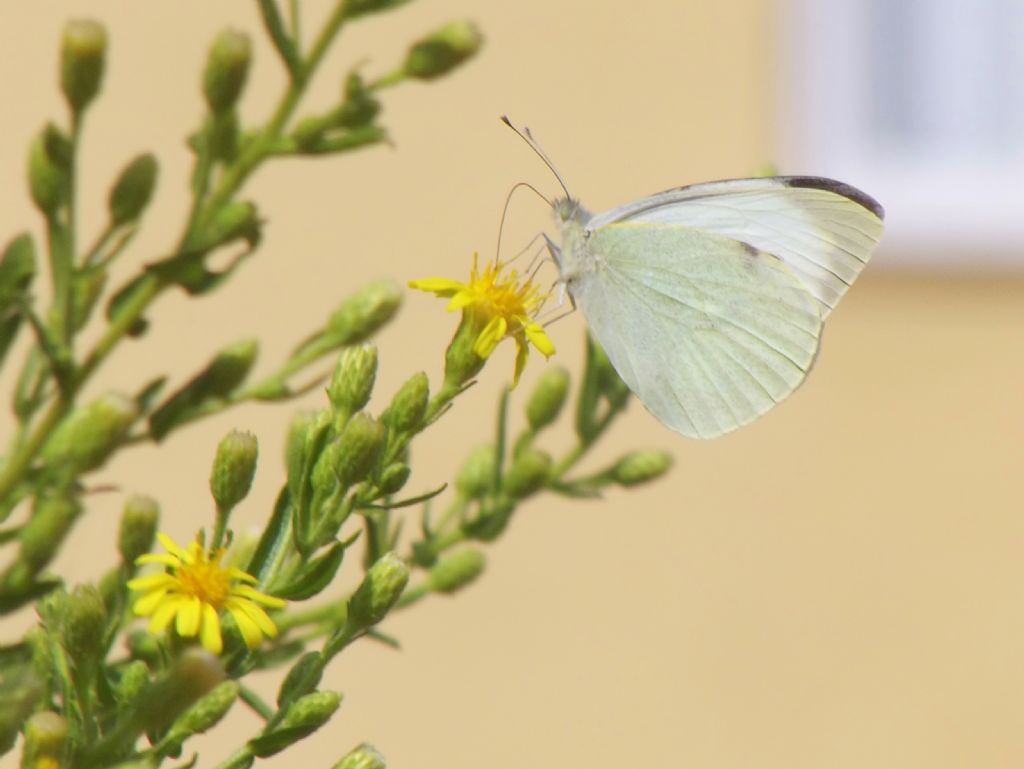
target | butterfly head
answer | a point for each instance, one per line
(568, 211)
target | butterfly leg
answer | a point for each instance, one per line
(522, 251)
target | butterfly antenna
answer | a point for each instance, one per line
(527, 137)
(504, 213)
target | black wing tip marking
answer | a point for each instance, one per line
(848, 191)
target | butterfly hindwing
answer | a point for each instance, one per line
(708, 332)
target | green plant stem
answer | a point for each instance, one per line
(61, 271)
(261, 146)
(254, 701)
(574, 455)
(331, 612)
(18, 462)
(279, 36)
(230, 182)
(93, 254)
(240, 759)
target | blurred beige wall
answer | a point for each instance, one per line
(839, 585)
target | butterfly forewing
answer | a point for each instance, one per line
(823, 230)
(708, 332)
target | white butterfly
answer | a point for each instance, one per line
(709, 299)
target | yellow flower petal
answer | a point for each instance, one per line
(241, 576)
(255, 595)
(440, 286)
(258, 617)
(162, 558)
(189, 616)
(164, 614)
(250, 631)
(147, 604)
(150, 581)
(171, 546)
(539, 338)
(459, 300)
(490, 336)
(209, 633)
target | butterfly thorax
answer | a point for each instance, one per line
(571, 218)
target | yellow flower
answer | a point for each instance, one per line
(499, 306)
(193, 590)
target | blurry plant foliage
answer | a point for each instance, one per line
(87, 686)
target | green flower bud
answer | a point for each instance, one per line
(363, 757)
(295, 442)
(233, 469)
(609, 381)
(204, 714)
(83, 626)
(144, 647)
(133, 189)
(82, 60)
(409, 406)
(641, 466)
(17, 266)
(91, 433)
(238, 220)
(380, 589)
(219, 378)
(491, 521)
(41, 537)
(547, 398)
(393, 478)
(301, 718)
(48, 166)
(21, 691)
(227, 67)
(354, 8)
(46, 737)
(461, 363)
(476, 475)
(309, 130)
(243, 548)
(195, 673)
(313, 709)
(364, 312)
(37, 641)
(359, 107)
(352, 382)
(529, 472)
(325, 475)
(138, 527)
(444, 50)
(134, 678)
(358, 446)
(52, 607)
(456, 570)
(228, 369)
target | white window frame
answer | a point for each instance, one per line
(951, 203)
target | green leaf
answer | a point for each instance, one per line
(314, 576)
(123, 298)
(303, 678)
(275, 535)
(147, 395)
(17, 269)
(225, 372)
(270, 744)
(302, 490)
